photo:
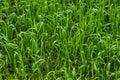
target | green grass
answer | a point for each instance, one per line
(60, 39)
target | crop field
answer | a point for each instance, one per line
(59, 39)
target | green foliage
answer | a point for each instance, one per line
(60, 39)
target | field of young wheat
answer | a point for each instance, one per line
(59, 39)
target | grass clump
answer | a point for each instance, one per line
(60, 40)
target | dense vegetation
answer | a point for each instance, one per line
(60, 39)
